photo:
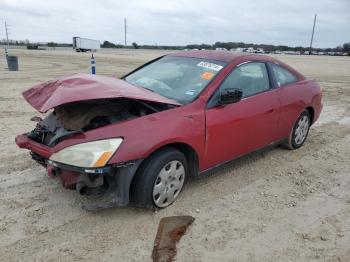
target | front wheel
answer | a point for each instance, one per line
(300, 131)
(160, 180)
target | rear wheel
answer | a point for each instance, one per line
(160, 179)
(300, 131)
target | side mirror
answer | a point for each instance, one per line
(230, 96)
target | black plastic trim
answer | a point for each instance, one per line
(91, 170)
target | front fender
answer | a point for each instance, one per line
(146, 136)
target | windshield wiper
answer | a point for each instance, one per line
(139, 86)
(149, 89)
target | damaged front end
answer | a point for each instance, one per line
(85, 165)
(79, 117)
(108, 186)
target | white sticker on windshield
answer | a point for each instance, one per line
(190, 92)
(211, 66)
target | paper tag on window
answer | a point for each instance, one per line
(211, 66)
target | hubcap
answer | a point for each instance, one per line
(169, 183)
(300, 132)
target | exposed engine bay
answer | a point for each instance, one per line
(69, 119)
(75, 105)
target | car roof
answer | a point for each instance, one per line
(224, 56)
(228, 57)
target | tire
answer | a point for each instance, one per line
(299, 132)
(160, 179)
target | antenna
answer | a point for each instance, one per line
(125, 31)
(312, 35)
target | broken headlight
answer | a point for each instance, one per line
(90, 154)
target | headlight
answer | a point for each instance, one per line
(91, 154)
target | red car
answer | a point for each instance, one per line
(139, 138)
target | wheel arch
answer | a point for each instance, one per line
(190, 155)
(311, 111)
(189, 152)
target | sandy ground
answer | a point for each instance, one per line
(279, 205)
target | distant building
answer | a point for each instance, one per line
(220, 49)
(239, 49)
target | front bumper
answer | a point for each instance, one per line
(69, 175)
(73, 177)
(98, 170)
(112, 181)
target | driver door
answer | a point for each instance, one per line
(236, 129)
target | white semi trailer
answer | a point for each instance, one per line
(84, 44)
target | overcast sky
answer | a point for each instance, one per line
(179, 22)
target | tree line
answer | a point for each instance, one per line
(232, 45)
(228, 45)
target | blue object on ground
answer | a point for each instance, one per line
(93, 65)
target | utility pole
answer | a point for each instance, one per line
(7, 38)
(312, 35)
(125, 30)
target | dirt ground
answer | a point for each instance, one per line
(279, 205)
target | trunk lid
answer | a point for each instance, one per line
(83, 87)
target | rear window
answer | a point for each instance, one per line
(282, 75)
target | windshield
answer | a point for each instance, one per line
(177, 78)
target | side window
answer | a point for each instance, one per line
(250, 78)
(282, 75)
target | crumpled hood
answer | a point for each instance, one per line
(82, 87)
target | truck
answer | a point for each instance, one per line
(84, 44)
